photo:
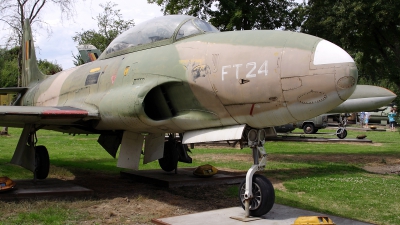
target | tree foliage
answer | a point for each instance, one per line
(9, 67)
(110, 24)
(49, 68)
(368, 30)
(77, 60)
(14, 12)
(237, 14)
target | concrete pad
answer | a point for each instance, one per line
(279, 215)
(25, 189)
(183, 177)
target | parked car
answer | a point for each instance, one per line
(285, 128)
(311, 126)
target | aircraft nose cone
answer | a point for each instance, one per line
(327, 55)
(327, 79)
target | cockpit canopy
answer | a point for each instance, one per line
(161, 30)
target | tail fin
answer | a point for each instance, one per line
(88, 53)
(30, 70)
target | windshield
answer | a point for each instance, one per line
(158, 29)
(195, 26)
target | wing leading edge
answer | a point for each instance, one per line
(17, 116)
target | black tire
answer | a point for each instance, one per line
(309, 128)
(341, 135)
(263, 195)
(170, 160)
(42, 162)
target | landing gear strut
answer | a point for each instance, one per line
(341, 132)
(31, 157)
(256, 192)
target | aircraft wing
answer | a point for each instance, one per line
(365, 98)
(17, 116)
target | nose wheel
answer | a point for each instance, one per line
(341, 133)
(263, 196)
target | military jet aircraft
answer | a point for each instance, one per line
(179, 75)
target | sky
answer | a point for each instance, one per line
(58, 46)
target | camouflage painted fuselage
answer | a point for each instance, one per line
(259, 78)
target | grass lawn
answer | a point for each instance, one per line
(323, 177)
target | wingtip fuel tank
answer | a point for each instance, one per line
(365, 98)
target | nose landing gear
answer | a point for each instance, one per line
(256, 193)
(263, 195)
(341, 132)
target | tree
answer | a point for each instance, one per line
(49, 68)
(237, 14)
(77, 60)
(110, 24)
(368, 30)
(9, 67)
(14, 12)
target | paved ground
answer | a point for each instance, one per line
(279, 215)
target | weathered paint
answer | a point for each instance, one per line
(201, 81)
(259, 78)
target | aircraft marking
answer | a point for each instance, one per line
(252, 66)
(113, 77)
(126, 71)
(27, 49)
(200, 71)
(69, 113)
(251, 110)
(95, 70)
